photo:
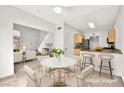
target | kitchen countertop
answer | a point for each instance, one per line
(115, 51)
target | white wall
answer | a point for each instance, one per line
(120, 38)
(59, 35)
(25, 36)
(69, 32)
(6, 47)
(49, 38)
(8, 15)
(102, 36)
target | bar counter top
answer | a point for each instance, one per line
(115, 51)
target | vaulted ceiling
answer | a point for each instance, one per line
(102, 16)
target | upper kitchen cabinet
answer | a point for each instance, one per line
(111, 35)
(78, 38)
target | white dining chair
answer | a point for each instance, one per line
(78, 59)
(39, 59)
(32, 76)
(84, 74)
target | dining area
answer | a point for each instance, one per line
(71, 70)
(59, 68)
(86, 70)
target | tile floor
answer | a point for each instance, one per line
(93, 80)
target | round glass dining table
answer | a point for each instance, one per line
(54, 63)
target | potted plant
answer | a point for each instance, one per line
(57, 52)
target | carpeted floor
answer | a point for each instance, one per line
(93, 80)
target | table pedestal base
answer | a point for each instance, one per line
(59, 84)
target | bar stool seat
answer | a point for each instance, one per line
(106, 58)
(85, 57)
(88, 55)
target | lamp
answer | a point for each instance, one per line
(24, 48)
(91, 25)
(57, 10)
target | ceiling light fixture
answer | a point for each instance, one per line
(57, 10)
(91, 25)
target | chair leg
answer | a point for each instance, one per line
(82, 83)
(110, 70)
(27, 84)
(68, 72)
(64, 77)
(100, 68)
(74, 68)
(40, 69)
(46, 70)
(91, 62)
(77, 83)
(54, 78)
(82, 64)
(85, 62)
(50, 72)
(39, 82)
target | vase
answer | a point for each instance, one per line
(58, 58)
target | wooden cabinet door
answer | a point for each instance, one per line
(77, 38)
(77, 52)
(111, 35)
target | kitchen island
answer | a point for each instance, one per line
(117, 62)
(104, 50)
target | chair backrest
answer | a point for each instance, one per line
(30, 73)
(86, 72)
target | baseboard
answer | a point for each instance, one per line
(1, 79)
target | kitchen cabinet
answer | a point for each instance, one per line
(111, 35)
(78, 38)
(77, 52)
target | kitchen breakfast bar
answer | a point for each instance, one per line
(116, 62)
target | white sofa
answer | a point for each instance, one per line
(18, 56)
(30, 55)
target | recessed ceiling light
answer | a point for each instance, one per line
(57, 10)
(91, 25)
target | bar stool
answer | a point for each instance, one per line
(106, 58)
(85, 57)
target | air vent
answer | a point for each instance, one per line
(59, 28)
